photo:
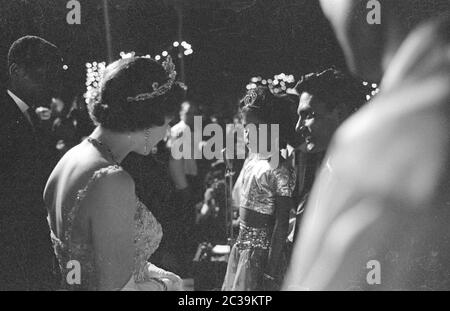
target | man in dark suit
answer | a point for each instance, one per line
(27, 261)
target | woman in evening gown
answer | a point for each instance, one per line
(263, 192)
(102, 233)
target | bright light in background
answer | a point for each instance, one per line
(374, 89)
(94, 75)
(95, 70)
(281, 83)
(124, 55)
(251, 86)
(186, 49)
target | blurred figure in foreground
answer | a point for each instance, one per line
(378, 217)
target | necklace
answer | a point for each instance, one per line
(99, 145)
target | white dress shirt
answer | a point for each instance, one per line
(176, 133)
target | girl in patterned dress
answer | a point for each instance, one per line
(263, 193)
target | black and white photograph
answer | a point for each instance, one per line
(222, 146)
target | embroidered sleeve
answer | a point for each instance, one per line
(283, 181)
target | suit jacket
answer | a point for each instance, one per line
(379, 213)
(26, 254)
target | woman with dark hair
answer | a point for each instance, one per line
(263, 192)
(103, 234)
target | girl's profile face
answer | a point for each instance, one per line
(254, 127)
(249, 121)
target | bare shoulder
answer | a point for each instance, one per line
(113, 181)
(110, 198)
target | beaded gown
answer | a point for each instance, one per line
(71, 247)
(256, 189)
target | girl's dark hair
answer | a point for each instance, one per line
(129, 78)
(270, 109)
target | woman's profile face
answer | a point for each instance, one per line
(147, 139)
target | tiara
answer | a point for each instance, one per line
(158, 90)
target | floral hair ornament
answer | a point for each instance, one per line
(250, 98)
(158, 90)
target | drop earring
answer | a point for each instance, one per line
(130, 139)
(147, 138)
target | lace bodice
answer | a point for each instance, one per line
(148, 234)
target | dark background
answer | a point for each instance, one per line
(233, 40)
